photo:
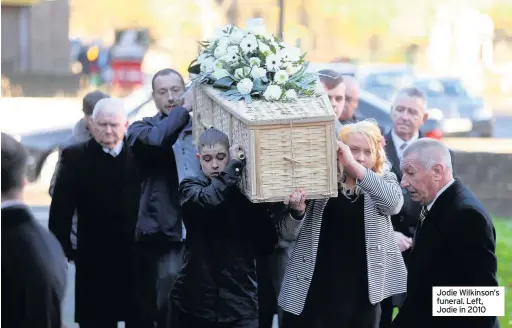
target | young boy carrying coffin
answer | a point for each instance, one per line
(226, 234)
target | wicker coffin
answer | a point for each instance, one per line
(288, 145)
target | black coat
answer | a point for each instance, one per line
(226, 235)
(105, 192)
(151, 141)
(33, 272)
(455, 246)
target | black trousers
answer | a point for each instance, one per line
(362, 316)
(180, 319)
(386, 316)
(157, 269)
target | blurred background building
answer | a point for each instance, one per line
(35, 37)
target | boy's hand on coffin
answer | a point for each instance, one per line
(236, 152)
(296, 203)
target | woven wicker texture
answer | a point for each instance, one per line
(261, 112)
(284, 153)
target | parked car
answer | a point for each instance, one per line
(385, 80)
(464, 113)
(43, 145)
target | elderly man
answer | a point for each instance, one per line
(82, 131)
(33, 264)
(99, 179)
(455, 241)
(408, 113)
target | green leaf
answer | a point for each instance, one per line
(224, 83)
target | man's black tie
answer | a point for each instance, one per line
(423, 215)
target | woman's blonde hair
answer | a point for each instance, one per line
(371, 131)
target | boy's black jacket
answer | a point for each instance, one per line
(226, 233)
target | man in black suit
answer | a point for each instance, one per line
(408, 113)
(33, 263)
(455, 241)
(99, 179)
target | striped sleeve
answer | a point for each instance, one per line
(384, 190)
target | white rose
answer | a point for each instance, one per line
(244, 86)
(219, 64)
(233, 49)
(241, 73)
(255, 61)
(292, 69)
(281, 77)
(291, 94)
(273, 92)
(207, 65)
(223, 42)
(258, 72)
(220, 73)
(236, 37)
(220, 51)
(273, 63)
(264, 49)
(283, 55)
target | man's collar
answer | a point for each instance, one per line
(399, 141)
(11, 203)
(116, 150)
(446, 186)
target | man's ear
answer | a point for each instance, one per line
(198, 156)
(438, 170)
(126, 124)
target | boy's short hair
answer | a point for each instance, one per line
(330, 78)
(211, 137)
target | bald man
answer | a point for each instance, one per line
(454, 243)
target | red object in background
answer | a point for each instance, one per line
(127, 73)
(434, 134)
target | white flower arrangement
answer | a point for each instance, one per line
(253, 63)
